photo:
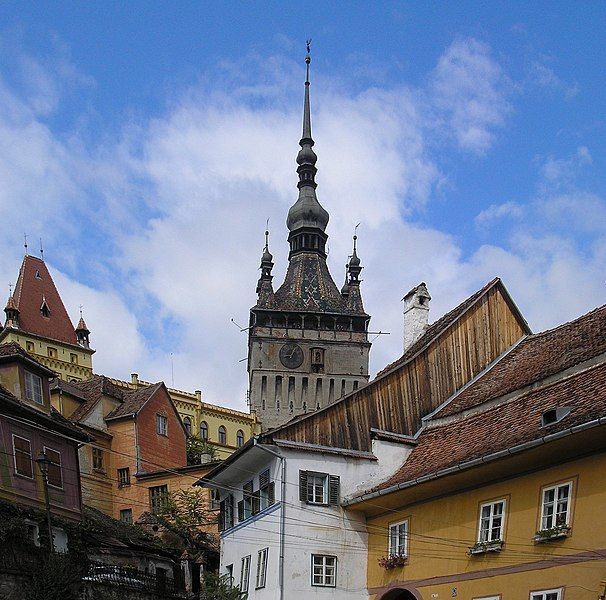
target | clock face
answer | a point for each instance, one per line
(291, 356)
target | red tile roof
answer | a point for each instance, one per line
(134, 401)
(92, 390)
(504, 426)
(536, 357)
(35, 286)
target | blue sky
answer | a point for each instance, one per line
(148, 142)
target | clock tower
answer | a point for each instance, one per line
(307, 342)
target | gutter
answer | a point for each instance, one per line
(476, 461)
(282, 512)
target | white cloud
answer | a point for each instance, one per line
(497, 212)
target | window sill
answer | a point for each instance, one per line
(486, 547)
(393, 561)
(551, 534)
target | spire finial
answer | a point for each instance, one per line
(308, 59)
(80, 308)
(25, 242)
(41, 250)
(267, 234)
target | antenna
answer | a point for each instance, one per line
(172, 370)
(25, 242)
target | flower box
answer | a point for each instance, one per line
(483, 547)
(553, 533)
(392, 561)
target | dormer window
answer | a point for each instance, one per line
(554, 415)
(33, 388)
(38, 276)
(44, 309)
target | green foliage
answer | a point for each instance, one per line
(58, 577)
(217, 587)
(197, 448)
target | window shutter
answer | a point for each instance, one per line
(271, 493)
(255, 502)
(241, 511)
(333, 489)
(303, 486)
(264, 478)
(222, 515)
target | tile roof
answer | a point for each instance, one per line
(134, 401)
(536, 357)
(436, 328)
(35, 286)
(92, 390)
(501, 427)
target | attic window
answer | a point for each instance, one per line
(44, 309)
(554, 415)
(38, 276)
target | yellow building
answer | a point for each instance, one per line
(503, 491)
(225, 429)
(36, 319)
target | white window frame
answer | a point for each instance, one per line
(488, 598)
(490, 519)
(396, 551)
(162, 425)
(543, 594)
(554, 505)
(315, 481)
(30, 456)
(58, 487)
(245, 574)
(261, 579)
(33, 387)
(324, 566)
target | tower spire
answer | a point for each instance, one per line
(307, 213)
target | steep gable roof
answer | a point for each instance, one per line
(92, 390)
(35, 288)
(419, 381)
(134, 401)
(536, 357)
(506, 426)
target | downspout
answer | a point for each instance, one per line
(282, 514)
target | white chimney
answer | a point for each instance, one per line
(416, 314)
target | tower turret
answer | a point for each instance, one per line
(82, 333)
(12, 313)
(265, 290)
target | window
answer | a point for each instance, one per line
(123, 477)
(126, 515)
(318, 488)
(240, 438)
(29, 346)
(323, 570)
(261, 568)
(215, 500)
(52, 352)
(398, 539)
(204, 430)
(547, 595)
(161, 425)
(33, 387)
(45, 311)
(229, 571)
(158, 498)
(59, 540)
(97, 459)
(187, 425)
(33, 532)
(491, 521)
(226, 513)
(73, 358)
(55, 477)
(556, 506)
(245, 574)
(222, 435)
(23, 456)
(317, 360)
(245, 506)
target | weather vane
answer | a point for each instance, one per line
(308, 44)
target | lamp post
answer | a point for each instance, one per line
(44, 462)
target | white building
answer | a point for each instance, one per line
(284, 534)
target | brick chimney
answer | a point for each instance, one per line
(416, 314)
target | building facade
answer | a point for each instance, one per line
(500, 496)
(307, 342)
(36, 319)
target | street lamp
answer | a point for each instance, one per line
(44, 462)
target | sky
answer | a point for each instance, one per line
(147, 143)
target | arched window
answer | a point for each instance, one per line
(187, 425)
(222, 435)
(240, 438)
(204, 430)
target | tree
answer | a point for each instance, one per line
(217, 587)
(199, 450)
